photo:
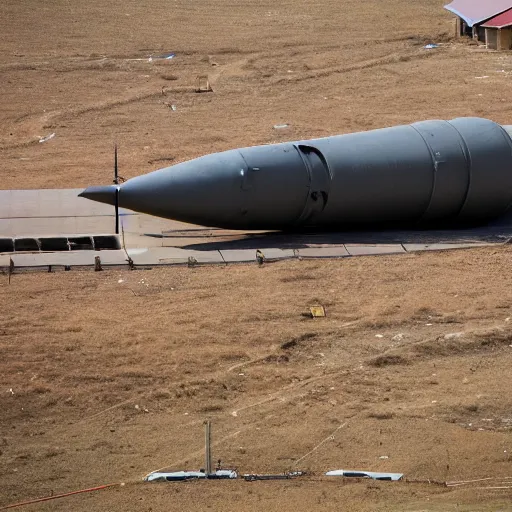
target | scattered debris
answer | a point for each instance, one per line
(485, 76)
(47, 138)
(203, 84)
(222, 474)
(175, 476)
(166, 56)
(379, 336)
(398, 337)
(10, 391)
(180, 476)
(317, 311)
(121, 281)
(431, 46)
(284, 476)
(281, 126)
(384, 457)
(365, 474)
(452, 335)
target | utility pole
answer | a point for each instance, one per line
(207, 445)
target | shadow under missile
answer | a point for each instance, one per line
(208, 239)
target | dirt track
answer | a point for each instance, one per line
(86, 355)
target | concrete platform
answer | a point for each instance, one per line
(172, 255)
(374, 249)
(147, 240)
(324, 251)
(440, 247)
(71, 259)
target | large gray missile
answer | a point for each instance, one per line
(430, 172)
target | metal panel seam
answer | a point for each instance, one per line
(434, 180)
(509, 140)
(467, 157)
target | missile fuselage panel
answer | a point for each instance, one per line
(430, 172)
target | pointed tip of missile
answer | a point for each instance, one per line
(103, 194)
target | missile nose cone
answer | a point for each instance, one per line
(235, 189)
(252, 188)
(103, 194)
(199, 191)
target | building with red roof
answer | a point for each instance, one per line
(488, 21)
(498, 31)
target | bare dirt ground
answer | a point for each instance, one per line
(103, 381)
(80, 70)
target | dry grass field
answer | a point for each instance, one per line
(107, 376)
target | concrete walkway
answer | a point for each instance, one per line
(148, 241)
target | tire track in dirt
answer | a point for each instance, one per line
(36, 122)
(392, 58)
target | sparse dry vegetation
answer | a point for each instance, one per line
(387, 359)
(142, 370)
(103, 381)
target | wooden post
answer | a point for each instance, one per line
(11, 269)
(498, 40)
(207, 443)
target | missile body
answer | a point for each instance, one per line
(430, 172)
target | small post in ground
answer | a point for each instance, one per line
(11, 269)
(207, 443)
